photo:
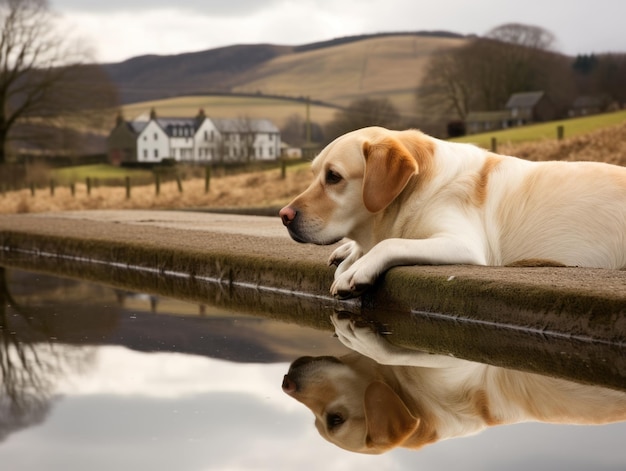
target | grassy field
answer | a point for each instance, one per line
(103, 172)
(274, 109)
(537, 132)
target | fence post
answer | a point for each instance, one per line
(73, 189)
(51, 187)
(494, 145)
(157, 183)
(207, 178)
(179, 183)
(88, 182)
(127, 188)
(560, 132)
(32, 189)
(283, 168)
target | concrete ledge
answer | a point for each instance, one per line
(567, 322)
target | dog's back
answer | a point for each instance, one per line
(572, 213)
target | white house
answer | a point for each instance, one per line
(199, 139)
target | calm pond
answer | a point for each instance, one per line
(97, 378)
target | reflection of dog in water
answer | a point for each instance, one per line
(385, 397)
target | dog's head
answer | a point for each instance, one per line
(353, 410)
(356, 176)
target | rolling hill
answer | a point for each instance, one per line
(335, 71)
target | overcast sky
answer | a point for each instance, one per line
(170, 411)
(120, 29)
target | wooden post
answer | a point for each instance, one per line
(494, 144)
(157, 183)
(32, 189)
(560, 132)
(73, 189)
(127, 188)
(51, 187)
(88, 182)
(283, 168)
(207, 178)
(179, 182)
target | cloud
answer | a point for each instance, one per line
(213, 8)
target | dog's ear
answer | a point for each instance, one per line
(389, 422)
(388, 168)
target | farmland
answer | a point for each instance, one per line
(268, 189)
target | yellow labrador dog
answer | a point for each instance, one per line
(405, 198)
(386, 397)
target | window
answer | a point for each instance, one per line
(156, 136)
(156, 153)
(145, 153)
(206, 135)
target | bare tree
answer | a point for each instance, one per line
(533, 37)
(362, 113)
(482, 75)
(40, 76)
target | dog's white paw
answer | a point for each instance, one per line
(355, 279)
(363, 338)
(344, 256)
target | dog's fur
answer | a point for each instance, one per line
(386, 397)
(405, 198)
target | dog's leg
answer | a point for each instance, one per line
(344, 256)
(394, 252)
(369, 343)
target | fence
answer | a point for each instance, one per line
(560, 135)
(160, 177)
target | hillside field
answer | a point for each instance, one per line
(390, 66)
(217, 106)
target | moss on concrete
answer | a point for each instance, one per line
(560, 321)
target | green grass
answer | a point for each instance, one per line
(535, 132)
(101, 172)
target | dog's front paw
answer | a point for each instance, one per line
(345, 287)
(362, 337)
(354, 280)
(345, 255)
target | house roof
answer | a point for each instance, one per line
(137, 126)
(223, 125)
(524, 99)
(170, 124)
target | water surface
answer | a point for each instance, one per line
(97, 378)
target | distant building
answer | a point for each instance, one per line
(588, 105)
(530, 107)
(521, 108)
(199, 139)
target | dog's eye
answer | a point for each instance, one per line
(332, 178)
(334, 420)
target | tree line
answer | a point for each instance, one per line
(484, 73)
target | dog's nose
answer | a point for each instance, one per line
(287, 214)
(289, 385)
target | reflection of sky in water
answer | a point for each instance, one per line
(170, 411)
(116, 408)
